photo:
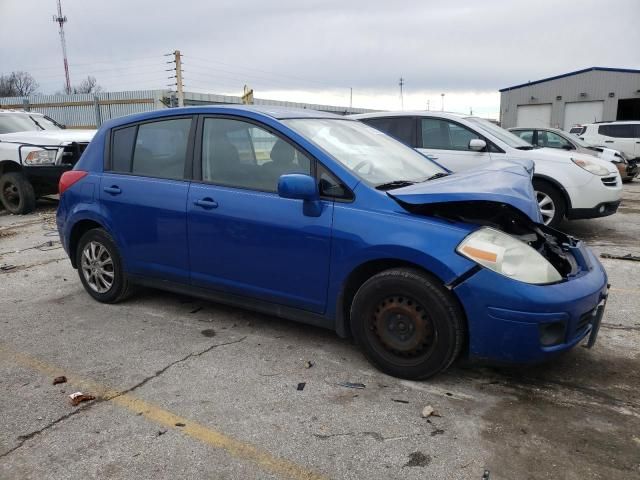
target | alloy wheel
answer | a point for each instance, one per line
(547, 207)
(97, 267)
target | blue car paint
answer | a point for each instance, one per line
(496, 183)
(263, 246)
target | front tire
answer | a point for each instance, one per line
(550, 201)
(407, 324)
(17, 194)
(100, 267)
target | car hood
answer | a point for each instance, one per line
(503, 182)
(49, 137)
(556, 155)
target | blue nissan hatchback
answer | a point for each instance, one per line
(327, 221)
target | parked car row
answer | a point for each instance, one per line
(568, 184)
(555, 138)
(329, 221)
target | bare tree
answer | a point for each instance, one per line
(88, 85)
(17, 84)
(24, 83)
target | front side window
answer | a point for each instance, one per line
(400, 128)
(445, 135)
(552, 140)
(369, 154)
(243, 155)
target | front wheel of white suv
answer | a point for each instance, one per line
(550, 201)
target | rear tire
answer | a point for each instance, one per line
(551, 202)
(17, 194)
(100, 267)
(407, 324)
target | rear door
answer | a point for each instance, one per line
(143, 192)
(244, 238)
(447, 143)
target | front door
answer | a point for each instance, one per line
(447, 143)
(143, 192)
(245, 239)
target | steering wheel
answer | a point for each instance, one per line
(364, 163)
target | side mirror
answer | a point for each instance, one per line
(568, 146)
(298, 186)
(477, 145)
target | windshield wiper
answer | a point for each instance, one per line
(437, 175)
(394, 184)
(526, 147)
(36, 122)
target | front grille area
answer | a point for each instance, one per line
(72, 153)
(610, 181)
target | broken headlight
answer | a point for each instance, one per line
(508, 256)
(41, 157)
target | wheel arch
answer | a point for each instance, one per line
(80, 228)
(364, 271)
(7, 166)
(558, 186)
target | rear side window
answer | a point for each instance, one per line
(400, 128)
(122, 142)
(618, 131)
(577, 130)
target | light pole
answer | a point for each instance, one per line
(442, 97)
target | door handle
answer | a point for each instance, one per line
(113, 190)
(206, 203)
(608, 141)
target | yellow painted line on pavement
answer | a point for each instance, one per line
(207, 435)
(632, 290)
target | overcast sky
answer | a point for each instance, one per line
(316, 50)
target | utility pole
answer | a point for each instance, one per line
(351, 97)
(177, 60)
(401, 83)
(428, 105)
(61, 20)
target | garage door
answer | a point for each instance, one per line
(582, 112)
(534, 115)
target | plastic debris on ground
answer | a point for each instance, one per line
(78, 397)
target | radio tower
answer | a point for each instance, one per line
(61, 20)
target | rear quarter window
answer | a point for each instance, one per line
(122, 141)
(617, 131)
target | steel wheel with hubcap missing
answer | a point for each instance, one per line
(407, 323)
(402, 327)
(97, 267)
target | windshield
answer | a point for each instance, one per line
(500, 133)
(370, 154)
(20, 122)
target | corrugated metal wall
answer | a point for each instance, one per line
(79, 111)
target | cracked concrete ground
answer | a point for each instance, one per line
(229, 379)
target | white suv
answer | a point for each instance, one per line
(622, 136)
(568, 184)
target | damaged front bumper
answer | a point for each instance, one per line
(516, 322)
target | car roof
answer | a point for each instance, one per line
(278, 113)
(613, 122)
(546, 129)
(411, 113)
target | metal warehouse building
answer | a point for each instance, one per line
(591, 95)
